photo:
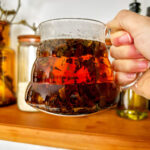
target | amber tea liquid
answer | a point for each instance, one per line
(72, 77)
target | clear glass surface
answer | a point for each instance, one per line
(72, 74)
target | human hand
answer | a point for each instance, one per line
(130, 37)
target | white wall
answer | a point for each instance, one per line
(41, 10)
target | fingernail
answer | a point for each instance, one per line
(131, 75)
(125, 39)
(143, 65)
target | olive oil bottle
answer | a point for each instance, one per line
(131, 105)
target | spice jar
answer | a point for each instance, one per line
(26, 57)
(7, 67)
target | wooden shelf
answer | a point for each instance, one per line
(104, 130)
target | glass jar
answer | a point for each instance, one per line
(7, 67)
(26, 57)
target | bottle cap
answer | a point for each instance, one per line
(135, 7)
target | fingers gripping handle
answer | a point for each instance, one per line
(139, 75)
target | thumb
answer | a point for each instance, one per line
(130, 22)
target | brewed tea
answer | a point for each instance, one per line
(72, 77)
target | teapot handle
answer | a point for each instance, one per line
(139, 75)
(132, 83)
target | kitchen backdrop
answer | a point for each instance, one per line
(36, 11)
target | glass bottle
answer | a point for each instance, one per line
(26, 57)
(131, 105)
(7, 67)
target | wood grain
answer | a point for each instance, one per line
(101, 131)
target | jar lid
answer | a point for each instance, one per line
(29, 38)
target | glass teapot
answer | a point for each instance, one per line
(72, 74)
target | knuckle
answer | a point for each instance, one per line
(122, 17)
(116, 53)
(123, 13)
(121, 65)
(120, 79)
(112, 51)
(115, 65)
